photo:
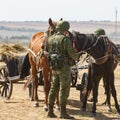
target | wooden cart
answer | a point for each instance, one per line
(12, 71)
(6, 85)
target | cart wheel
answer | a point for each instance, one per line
(84, 84)
(74, 80)
(6, 86)
(74, 74)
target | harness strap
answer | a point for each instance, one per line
(103, 59)
(36, 41)
(94, 44)
(41, 52)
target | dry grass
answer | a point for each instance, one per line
(12, 49)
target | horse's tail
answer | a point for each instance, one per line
(26, 85)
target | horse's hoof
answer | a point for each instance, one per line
(45, 108)
(36, 104)
(93, 114)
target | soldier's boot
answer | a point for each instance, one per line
(64, 114)
(50, 112)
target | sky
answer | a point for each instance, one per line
(73, 10)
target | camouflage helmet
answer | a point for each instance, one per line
(62, 26)
(99, 32)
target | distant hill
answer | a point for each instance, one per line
(22, 31)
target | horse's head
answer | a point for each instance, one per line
(52, 27)
(73, 37)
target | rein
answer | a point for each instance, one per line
(94, 44)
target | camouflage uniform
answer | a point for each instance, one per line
(61, 77)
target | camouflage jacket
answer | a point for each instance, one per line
(64, 45)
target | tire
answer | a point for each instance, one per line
(74, 74)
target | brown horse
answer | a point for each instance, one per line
(39, 60)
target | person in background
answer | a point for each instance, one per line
(99, 32)
(60, 50)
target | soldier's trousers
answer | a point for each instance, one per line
(60, 83)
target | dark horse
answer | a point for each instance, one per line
(104, 59)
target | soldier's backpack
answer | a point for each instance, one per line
(56, 57)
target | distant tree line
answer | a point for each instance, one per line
(19, 29)
(20, 37)
(15, 37)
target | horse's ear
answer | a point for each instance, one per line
(50, 21)
(61, 19)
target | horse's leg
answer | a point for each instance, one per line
(85, 99)
(35, 84)
(113, 91)
(96, 80)
(31, 88)
(107, 90)
(89, 88)
(46, 75)
(96, 76)
(104, 85)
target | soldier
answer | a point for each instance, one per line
(99, 32)
(61, 50)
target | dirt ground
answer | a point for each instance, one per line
(19, 107)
